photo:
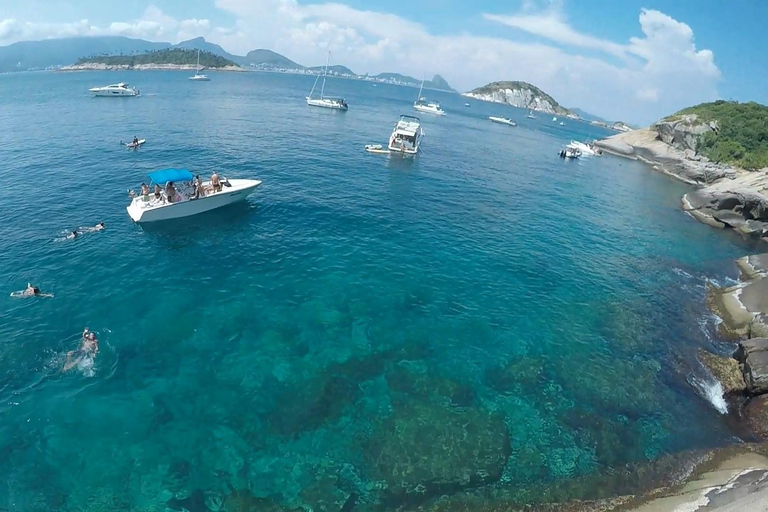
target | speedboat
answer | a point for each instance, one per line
(197, 77)
(586, 149)
(530, 115)
(570, 152)
(323, 101)
(150, 208)
(406, 136)
(502, 120)
(429, 107)
(115, 90)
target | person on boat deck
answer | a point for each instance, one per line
(34, 291)
(135, 141)
(215, 183)
(158, 192)
(89, 347)
(170, 192)
(145, 191)
(198, 185)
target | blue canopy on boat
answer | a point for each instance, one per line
(166, 175)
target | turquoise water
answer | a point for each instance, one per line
(486, 316)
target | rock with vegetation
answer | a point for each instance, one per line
(169, 56)
(684, 131)
(519, 94)
(426, 449)
(753, 356)
(724, 369)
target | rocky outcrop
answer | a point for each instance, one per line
(518, 94)
(683, 132)
(752, 354)
(426, 449)
(726, 370)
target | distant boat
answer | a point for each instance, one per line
(502, 120)
(530, 115)
(197, 77)
(135, 144)
(466, 105)
(562, 123)
(554, 119)
(115, 90)
(322, 101)
(430, 107)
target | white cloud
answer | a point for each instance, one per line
(638, 80)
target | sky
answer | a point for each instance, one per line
(635, 61)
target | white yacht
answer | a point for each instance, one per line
(323, 101)
(197, 77)
(502, 120)
(151, 208)
(406, 136)
(430, 107)
(587, 149)
(115, 90)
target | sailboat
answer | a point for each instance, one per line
(198, 77)
(335, 103)
(530, 115)
(430, 107)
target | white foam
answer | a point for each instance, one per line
(693, 506)
(712, 391)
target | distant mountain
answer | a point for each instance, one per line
(338, 70)
(587, 116)
(519, 94)
(199, 43)
(27, 55)
(270, 58)
(437, 82)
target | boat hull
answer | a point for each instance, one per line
(429, 110)
(201, 78)
(139, 210)
(501, 120)
(114, 94)
(326, 104)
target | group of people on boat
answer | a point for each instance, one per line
(171, 195)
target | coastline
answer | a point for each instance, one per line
(99, 66)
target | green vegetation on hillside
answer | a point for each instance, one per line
(742, 137)
(178, 56)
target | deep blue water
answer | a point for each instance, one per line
(486, 315)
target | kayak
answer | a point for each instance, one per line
(133, 145)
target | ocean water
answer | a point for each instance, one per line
(485, 318)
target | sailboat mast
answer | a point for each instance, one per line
(420, 89)
(325, 73)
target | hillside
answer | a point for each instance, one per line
(199, 43)
(337, 70)
(437, 82)
(176, 56)
(519, 94)
(269, 58)
(723, 131)
(26, 55)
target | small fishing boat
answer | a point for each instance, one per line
(323, 101)
(502, 120)
(120, 90)
(197, 77)
(135, 144)
(429, 107)
(184, 202)
(406, 136)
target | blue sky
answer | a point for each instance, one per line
(622, 59)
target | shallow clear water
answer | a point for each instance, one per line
(486, 315)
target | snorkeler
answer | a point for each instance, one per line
(89, 347)
(31, 291)
(72, 235)
(97, 227)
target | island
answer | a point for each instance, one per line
(166, 59)
(520, 94)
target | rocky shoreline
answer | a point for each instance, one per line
(96, 66)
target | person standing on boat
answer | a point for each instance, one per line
(170, 192)
(198, 184)
(215, 183)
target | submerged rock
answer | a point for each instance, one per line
(724, 369)
(425, 449)
(753, 355)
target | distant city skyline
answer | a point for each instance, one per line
(625, 60)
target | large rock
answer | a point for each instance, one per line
(753, 355)
(683, 132)
(724, 369)
(426, 449)
(756, 414)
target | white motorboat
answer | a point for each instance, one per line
(135, 144)
(585, 149)
(467, 105)
(406, 136)
(530, 115)
(570, 152)
(115, 90)
(502, 120)
(430, 107)
(323, 101)
(197, 77)
(151, 208)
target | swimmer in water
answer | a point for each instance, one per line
(97, 227)
(89, 347)
(73, 234)
(34, 291)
